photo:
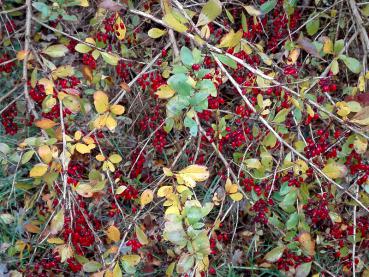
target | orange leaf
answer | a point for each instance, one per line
(31, 228)
(45, 123)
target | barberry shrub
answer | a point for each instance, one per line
(184, 138)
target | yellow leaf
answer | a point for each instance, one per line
(85, 190)
(167, 172)
(108, 165)
(174, 23)
(196, 172)
(292, 57)
(100, 121)
(172, 210)
(146, 197)
(82, 148)
(236, 196)
(343, 109)
(48, 85)
(120, 189)
(165, 92)
(230, 188)
(101, 101)
(100, 158)
(362, 117)
(327, 45)
(111, 123)
(57, 222)
(132, 260)
(115, 158)
(55, 241)
(141, 236)
(77, 135)
(253, 163)
(117, 109)
(63, 72)
(113, 233)
(65, 251)
(360, 144)
(117, 272)
(164, 191)
(156, 33)
(251, 10)
(307, 243)
(45, 154)
(335, 170)
(38, 170)
(119, 28)
(231, 39)
(21, 55)
(84, 3)
(45, 123)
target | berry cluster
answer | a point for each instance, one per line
(7, 120)
(5, 64)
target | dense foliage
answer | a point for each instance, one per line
(184, 138)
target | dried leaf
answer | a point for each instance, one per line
(113, 233)
(146, 197)
(45, 123)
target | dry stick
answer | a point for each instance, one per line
(30, 104)
(13, 10)
(354, 237)
(359, 23)
(266, 124)
(10, 92)
(255, 71)
(161, 180)
(166, 7)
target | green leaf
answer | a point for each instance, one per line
(227, 61)
(313, 26)
(91, 266)
(42, 8)
(292, 221)
(289, 200)
(289, 6)
(186, 56)
(185, 263)
(274, 254)
(268, 6)
(209, 12)
(174, 23)
(179, 83)
(156, 32)
(338, 46)
(303, 270)
(110, 58)
(192, 125)
(56, 51)
(207, 86)
(243, 22)
(230, 16)
(281, 116)
(82, 48)
(335, 67)
(198, 98)
(27, 156)
(176, 104)
(335, 170)
(365, 10)
(269, 140)
(352, 64)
